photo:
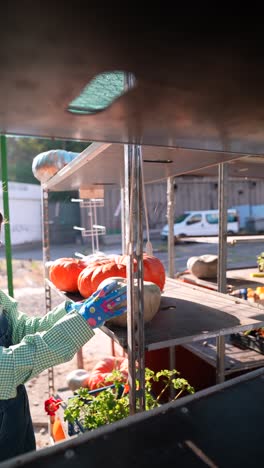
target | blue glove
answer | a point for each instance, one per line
(102, 305)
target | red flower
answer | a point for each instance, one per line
(52, 405)
(126, 389)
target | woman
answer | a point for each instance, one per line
(29, 345)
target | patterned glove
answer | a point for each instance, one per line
(102, 305)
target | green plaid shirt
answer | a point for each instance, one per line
(38, 343)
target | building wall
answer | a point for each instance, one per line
(24, 211)
(190, 194)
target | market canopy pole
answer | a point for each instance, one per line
(8, 250)
(222, 260)
(133, 238)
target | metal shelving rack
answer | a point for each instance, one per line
(46, 259)
(94, 230)
(133, 243)
(84, 169)
(204, 103)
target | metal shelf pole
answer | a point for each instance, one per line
(170, 218)
(46, 258)
(134, 237)
(171, 259)
(222, 260)
(123, 223)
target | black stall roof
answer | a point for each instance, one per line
(198, 91)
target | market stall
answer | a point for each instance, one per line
(205, 106)
(197, 431)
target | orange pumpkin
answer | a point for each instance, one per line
(103, 368)
(90, 278)
(123, 259)
(64, 273)
(154, 270)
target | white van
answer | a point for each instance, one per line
(201, 223)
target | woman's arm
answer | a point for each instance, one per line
(21, 324)
(40, 351)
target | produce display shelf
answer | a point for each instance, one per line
(189, 314)
(236, 359)
(235, 279)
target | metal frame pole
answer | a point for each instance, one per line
(139, 322)
(131, 341)
(222, 260)
(123, 224)
(96, 223)
(171, 259)
(134, 249)
(170, 218)
(133, 237)
(8, 249)
(46, 258)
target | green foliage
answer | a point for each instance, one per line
(22, 150)
(112, 403)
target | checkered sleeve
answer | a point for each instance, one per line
(38, 351)
(22, 324)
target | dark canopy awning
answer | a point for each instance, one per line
(198, 91)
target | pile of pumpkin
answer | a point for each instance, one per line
(84, 276)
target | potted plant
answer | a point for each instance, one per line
(88, 410)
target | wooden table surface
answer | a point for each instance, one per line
(190, 313)
(236, 279)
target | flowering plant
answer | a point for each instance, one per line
(52, 405)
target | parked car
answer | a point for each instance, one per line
(201, 223)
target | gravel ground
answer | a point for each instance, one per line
(29, 292)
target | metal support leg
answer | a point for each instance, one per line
(46, 258)
(222, 260)
(172, 360)
(170, 217)
(123, 224)
(133, 214)
(139, 322)
(171, 258)
(135, 303)
(80, 359)
(220, 359)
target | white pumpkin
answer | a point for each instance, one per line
(204, 266)
(77, 378)
(152, 296)
(96, 256)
